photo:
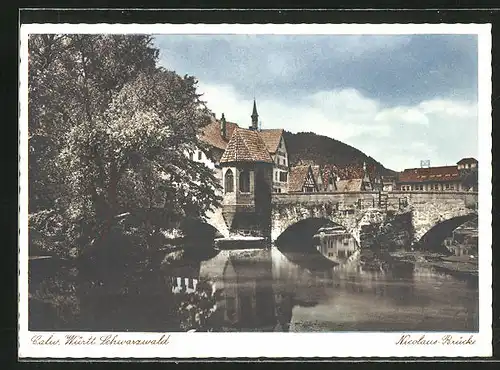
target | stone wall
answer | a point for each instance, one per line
(427, 211)
(344, 200)
(286, 215)
(367, 199)
(407, 217)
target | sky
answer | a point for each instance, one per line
(398, 98)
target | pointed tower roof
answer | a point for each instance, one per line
(255, 117)
(254, 111)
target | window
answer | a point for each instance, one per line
(283, 176)
(276, 176)
(199, 155)
(449, 187)
(275, 190)
(346, 241)
(190, 155)
(245, 181)
(279, 190)
(229, 181)
(435, 187)
(419, 187)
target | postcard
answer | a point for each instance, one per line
(258, 190)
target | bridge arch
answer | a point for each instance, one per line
(300, 234)
(198, 229)
(434, 237)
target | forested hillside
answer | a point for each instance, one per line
(322, 150)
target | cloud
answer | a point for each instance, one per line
(442, 130)
(404, 115)
(392, 69)
(398, 98)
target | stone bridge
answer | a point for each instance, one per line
(394, 217)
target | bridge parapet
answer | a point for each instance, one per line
(366, 199)
(427, 209)
(347, 200)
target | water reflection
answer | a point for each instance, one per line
(273, 290)
(335, 243)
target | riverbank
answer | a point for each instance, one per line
(458, 266)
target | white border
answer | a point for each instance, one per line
(276, 345)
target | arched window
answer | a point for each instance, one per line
(229, 182)
(244, 181)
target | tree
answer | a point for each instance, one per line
(107, 134)
(72, 79)
(132, 160)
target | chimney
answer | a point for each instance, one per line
(223, 132)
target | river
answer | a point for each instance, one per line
(278, 290)
(271, 289)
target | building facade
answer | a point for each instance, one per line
(217, 135)
(247, 169)
(388, 183)
(461, 177)
(354, 178)
(302, 180)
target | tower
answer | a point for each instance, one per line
(255, 117)
(223, 125)
(247, 170)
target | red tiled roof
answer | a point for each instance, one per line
(437, 174)
(297, 177)
(349, 185)
(246, 146)
(271, 138)
(352, 171)
(327, 174)
(467, 160)
(211, 134)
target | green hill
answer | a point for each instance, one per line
(322, 150)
